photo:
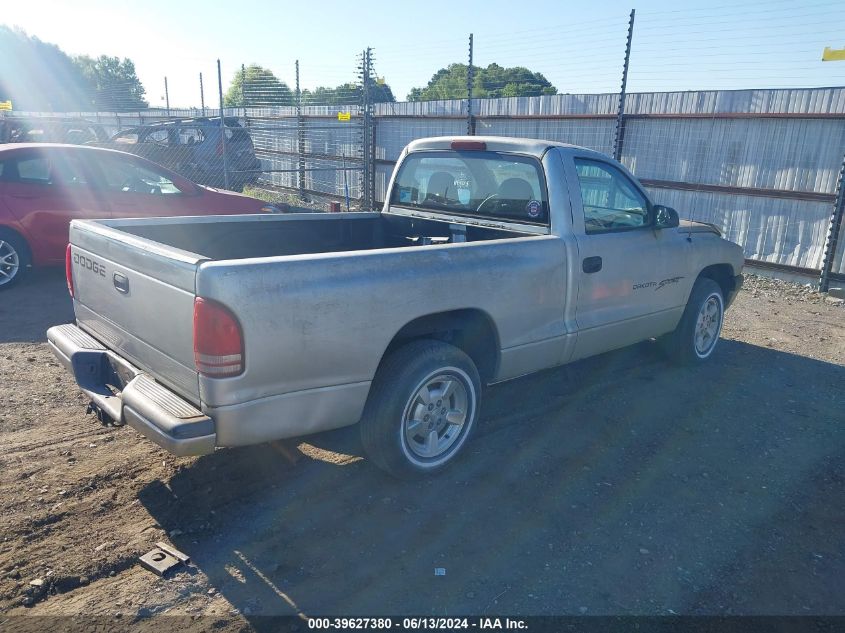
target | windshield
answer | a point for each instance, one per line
(482, 184)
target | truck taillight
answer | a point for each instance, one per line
(69, 270)
(218, 343)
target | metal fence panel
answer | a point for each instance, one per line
(393, 134)
(759, 101)
(786, 232)
(595, 134)
(783, 154)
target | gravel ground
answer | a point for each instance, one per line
(618, 485)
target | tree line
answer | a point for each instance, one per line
(39, 76)
(255, 85)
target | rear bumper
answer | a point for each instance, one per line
(130, 396)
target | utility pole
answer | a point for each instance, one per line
(166, 97)
(620, 116)
(202, 96)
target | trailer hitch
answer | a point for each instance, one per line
(104, 418)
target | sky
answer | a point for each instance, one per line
(579, 47)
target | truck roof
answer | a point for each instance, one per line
(530, 146)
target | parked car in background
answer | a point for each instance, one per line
(22, 129)
(43, 187)
(194, 149)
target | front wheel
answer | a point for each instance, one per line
(422, 408)
(697, 334)
(15, 259)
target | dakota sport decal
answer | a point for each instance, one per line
(657, 285)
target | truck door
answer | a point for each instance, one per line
(632, 277)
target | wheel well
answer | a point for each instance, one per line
(723, 275)
(470, 330)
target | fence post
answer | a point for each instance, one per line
(222, 127)
(833, 233)
(620, 115)
(243, 86)
(166, 97)
(470, 77)
(300, 133)
(367, 140)
(202, 96)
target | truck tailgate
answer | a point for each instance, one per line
(137, 298)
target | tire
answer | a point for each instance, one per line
(15, 259)
(408, 428)
(697, 334)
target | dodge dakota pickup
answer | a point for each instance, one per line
(490, 259)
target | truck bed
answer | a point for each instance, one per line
(272, 236)
(136, 280)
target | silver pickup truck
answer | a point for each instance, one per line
(491, 258)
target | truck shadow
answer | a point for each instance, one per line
(38, 303)
(619, 485)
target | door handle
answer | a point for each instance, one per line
(591, 264)
(121, 283)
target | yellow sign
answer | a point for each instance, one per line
(833, 54)
(344, 116)
(6, 105)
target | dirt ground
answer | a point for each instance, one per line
(619, 485)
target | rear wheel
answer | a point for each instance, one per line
(696, 336)
(422, 408)
(15, 258)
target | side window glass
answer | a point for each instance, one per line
(128, 177)
(67, 170)
(610, 200)
(127, 138)
(80, 136)
(190, 136)
(34, 170)
(157, 136)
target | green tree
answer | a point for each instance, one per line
(38, 76)
(348, 94)
(492, 81)
(112, 83)
(257, 86)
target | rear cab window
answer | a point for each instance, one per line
(484, 184)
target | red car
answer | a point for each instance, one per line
(45, 186)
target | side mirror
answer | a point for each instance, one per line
(665, 217)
